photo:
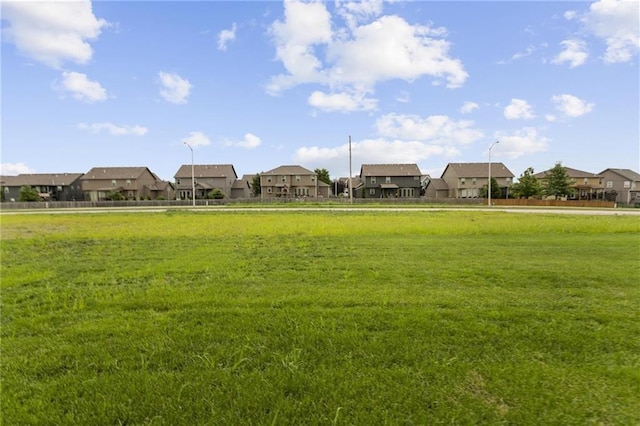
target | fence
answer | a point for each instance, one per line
(554, 203)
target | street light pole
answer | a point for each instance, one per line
(489, 185)
(193, 176)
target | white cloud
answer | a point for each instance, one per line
(617, 23)
(550, 118)
(52, 32)
(196, 139)
(13, 169)
(575, 53)
(571, 106)
(250, 141)
(225, 36)
(360, 56)
(404, 97)
(518, 109)
(437, 129)
(81, 88)
(113, 129)
(519, 143)
(570, 15)
(175, 89)
(343, 102)
(469, 107)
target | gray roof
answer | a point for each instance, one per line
(206, 171)
(389, 170)
(288, 171)
(628, 174)
(573, 173)
(35, 179)
(115, 173)
(438, 184)
(241, 183)
(478, 170)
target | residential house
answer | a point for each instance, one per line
(207, 177)
(241, 188)
(389, 181)
(436, 189)
(464, 180)
(587, 185)
(133, 183)
(50, 186)
(623, 184)
(292, 182)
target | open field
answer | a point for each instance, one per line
(320, 317)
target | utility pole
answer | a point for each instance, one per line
(350, 187)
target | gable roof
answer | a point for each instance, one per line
(478, 170)
(36, 179)
(572, 173)
(289, 170)
(438, 184)
(206, 171)
(389, 170)
(628, 174)
(115, 173)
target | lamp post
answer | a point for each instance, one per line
(489, 184)
(193, 176)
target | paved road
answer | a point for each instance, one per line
(222, 209)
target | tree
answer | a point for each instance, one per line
(27, 193)
(557, 182)
(323, 175)
(527, 185)
(496, 192)
(255, 185)
(215, 194)
(115, 196)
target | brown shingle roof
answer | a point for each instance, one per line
(625, 173)
(36, 179)
(438, 184)
(289, 170)
(389, 170)
(573, 173)
(115, 173)
(478, 170)
(206, 171)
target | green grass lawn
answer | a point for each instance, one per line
(320, 317)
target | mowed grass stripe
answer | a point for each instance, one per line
(315, 318)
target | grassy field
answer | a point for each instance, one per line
(320, 318)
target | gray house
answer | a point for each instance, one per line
(436, 189)
(50, 186)
(389, 181)
(464, 180)
(207, 178)
(133, 183)
(625, 183)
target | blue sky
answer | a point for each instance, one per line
(259, 84)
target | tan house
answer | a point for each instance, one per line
(133, 183)
(207, 178)
(389, 181)
(464, 180)
(436, 189)
(292, 182)
(50, 186)
(242, 187)
(624, 184)
(587, 185)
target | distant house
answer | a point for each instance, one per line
(436, 189)
(464, 180)
(241, 188)
(389, 181)
(625, 183)
(587, 185)
(133, 183)
(207, 178)
(292, 182)
(50, 186)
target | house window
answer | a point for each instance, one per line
(269, 190)
(59, 188)
(508, 180)
(6, 189)
(128, 181)
(373, 179)
(609, 184)
(372, 191)
(113, 182)
(313, 178)
(177, 181)
(473, 180)
(269, 179)
(463, 181)
(586, 181)
(284, 178)
(627, 184)
(416, 178)
(387, 179)
(297, 178)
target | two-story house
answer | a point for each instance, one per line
(389, 181)
(133, 183)
(50, 186)
(586, 185)
(207, 177)
(291, 182)
(623, 183)
(464, 180)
